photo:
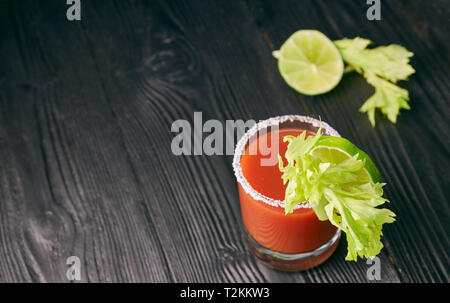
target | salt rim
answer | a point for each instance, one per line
(240, 147)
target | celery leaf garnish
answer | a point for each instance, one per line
(336, 192)
(382, 67)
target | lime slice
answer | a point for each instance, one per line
(335, 150)
(310, 62)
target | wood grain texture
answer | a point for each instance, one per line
(85, 114)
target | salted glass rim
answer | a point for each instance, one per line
(241, 145)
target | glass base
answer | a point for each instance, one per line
(292, 262)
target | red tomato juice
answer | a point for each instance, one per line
(300, 231)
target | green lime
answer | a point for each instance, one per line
(335, 150)
(310, 62)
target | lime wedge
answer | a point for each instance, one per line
(335, 150)
(310, 63)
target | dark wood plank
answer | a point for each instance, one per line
(148, 215)
(75, 192)
(413, 155)
(85, 115)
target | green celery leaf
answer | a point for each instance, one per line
(334, 192)
(388, 97)
(382, 67)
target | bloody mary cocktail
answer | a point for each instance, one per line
(294, 241)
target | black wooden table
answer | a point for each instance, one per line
(86, 109)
